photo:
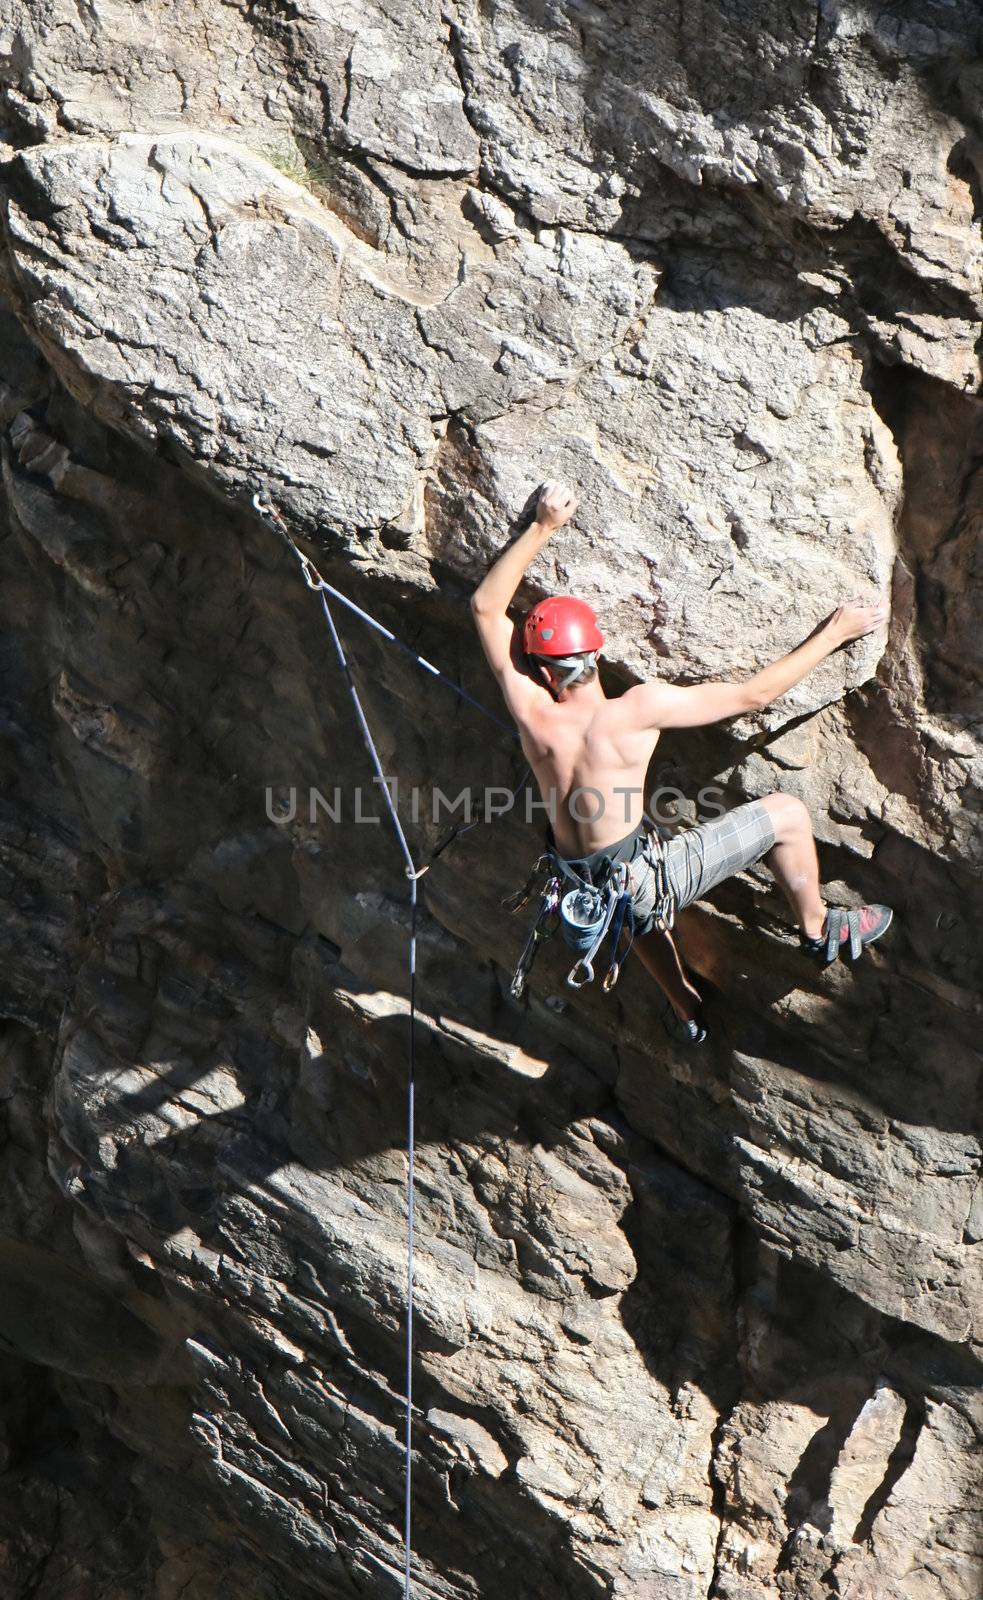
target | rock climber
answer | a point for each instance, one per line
(589, 754)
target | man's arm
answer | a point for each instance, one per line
(665, 705)
(495, 592)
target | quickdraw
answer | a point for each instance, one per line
(609, 907)
(544, 927)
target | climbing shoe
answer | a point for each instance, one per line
(853, 928)
(681, 1032)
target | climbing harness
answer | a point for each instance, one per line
(314, 580)
(595, 907)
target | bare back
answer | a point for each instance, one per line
(589, 756)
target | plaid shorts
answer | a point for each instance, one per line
(699, 858)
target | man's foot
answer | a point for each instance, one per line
(856, 928)
(683, 1030)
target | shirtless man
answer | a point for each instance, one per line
(590, 755)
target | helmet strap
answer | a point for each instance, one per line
(573, 667)
(540, 673)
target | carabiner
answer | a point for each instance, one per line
(611, 977)
(312, 577)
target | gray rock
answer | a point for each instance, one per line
(685, 1324)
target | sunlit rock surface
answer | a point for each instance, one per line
(687, 1324)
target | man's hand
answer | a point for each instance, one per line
(493, 596)
(854, 619)
(557, 504)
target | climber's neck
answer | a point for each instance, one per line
(580, 696)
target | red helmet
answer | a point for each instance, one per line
(561, 626)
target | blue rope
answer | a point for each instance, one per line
(314, 580)
(413, 874)
(411, 871)
(408, 650)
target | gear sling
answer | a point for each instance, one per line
(590, 899)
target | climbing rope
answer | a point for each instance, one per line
(314, 580)
(413, 874)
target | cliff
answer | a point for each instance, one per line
(688, 1323)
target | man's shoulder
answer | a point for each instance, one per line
(634, 702)
(531, 713)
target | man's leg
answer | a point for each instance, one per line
(658, 954)
(776, 829)
(701, 858)
(794, 862)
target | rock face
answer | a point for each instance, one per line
(686, 1325)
